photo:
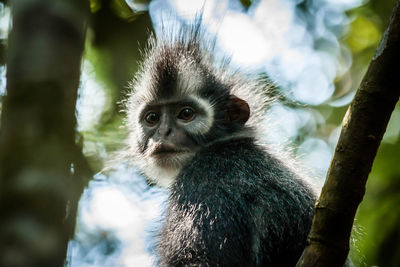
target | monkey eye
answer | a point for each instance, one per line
(186, 114)
(151, 118)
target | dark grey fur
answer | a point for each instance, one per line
(236, 205)
(233, 203)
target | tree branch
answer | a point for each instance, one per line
(362, 130)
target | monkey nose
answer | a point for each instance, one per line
(164, 131)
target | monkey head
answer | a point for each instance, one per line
(180, 103)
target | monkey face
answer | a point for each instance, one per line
(168, 128)
(170, 131)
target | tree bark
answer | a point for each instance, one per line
(362, 130)
(2, 52)
(40, 177)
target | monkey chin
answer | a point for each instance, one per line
(163, 168)
(171, 159)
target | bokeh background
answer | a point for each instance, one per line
(315, 51)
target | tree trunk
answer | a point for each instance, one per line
(40, 178)
(362, 130)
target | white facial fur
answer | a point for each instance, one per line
(162, 177)
(162, 171)
(202, 124)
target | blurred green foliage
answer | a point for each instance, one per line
(95, 5)
(123, 10)
(379, 214)
(364, 34)
(116, 37)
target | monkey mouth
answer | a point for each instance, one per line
(162, 150)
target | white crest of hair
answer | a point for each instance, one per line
(140, 93)
(189, 80)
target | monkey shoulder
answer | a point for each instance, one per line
(241, 160)
(253, 181)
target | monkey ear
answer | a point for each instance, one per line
(238, 110)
